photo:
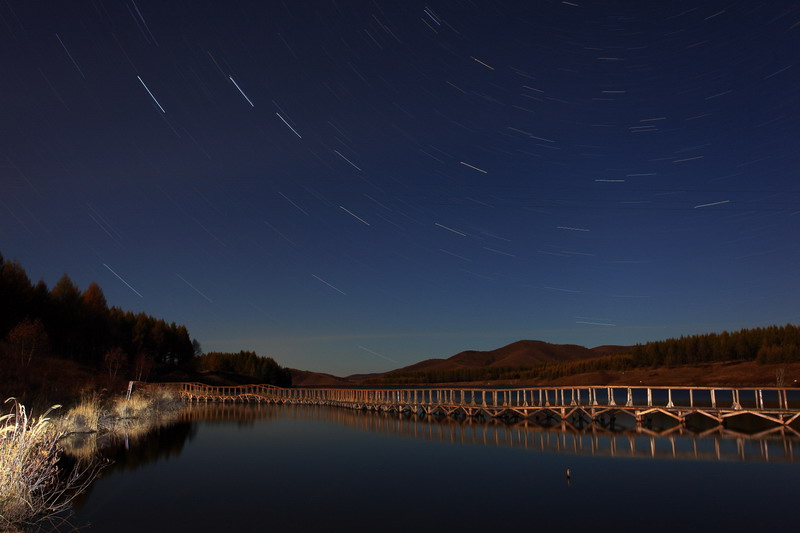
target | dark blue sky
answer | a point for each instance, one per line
(356, 186)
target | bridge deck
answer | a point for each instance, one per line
(777, 405)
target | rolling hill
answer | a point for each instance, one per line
(524, 353)
(518, 354)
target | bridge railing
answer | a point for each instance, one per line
(668, 397)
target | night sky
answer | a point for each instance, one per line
(353, 186)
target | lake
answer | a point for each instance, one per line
(310, 468)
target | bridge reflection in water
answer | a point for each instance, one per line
(676, 441)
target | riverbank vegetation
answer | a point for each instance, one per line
(33, 486)
(95, 422)
(94, 413)
(46, 462)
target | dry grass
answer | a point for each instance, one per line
(32, 486)
(85, 416)
(135, 407)
(93, 423)
(93, 414)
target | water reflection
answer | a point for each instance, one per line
(224, 467)
(749, 441)
(131, 451)
(776, 444)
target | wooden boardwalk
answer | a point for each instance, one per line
(780, 406)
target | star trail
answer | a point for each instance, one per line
(320, 173)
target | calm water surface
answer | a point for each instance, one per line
(270, 468)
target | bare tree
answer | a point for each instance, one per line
(114, 360)
(142, 366)
(29, 339)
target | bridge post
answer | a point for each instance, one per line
(649, 397)
(670, 405)
(593, 394)
(562, 396)
(629, 403)
(691, 398)
(572, 397)
(611, 401)
(713, 399)
(736, 405)
(759, 399)
(547, 398)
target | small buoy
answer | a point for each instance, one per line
(569, 474)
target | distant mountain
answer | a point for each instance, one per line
(518, 354)
(523, 353)
(305, 378)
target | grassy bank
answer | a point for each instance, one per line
(94, 423)
(35, 483)
(96, 413)
(32, 485)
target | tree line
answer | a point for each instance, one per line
(68, 323)
(80, 326)
(260, 369)
(773, 344)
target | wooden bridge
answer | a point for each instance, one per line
(779, 406)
